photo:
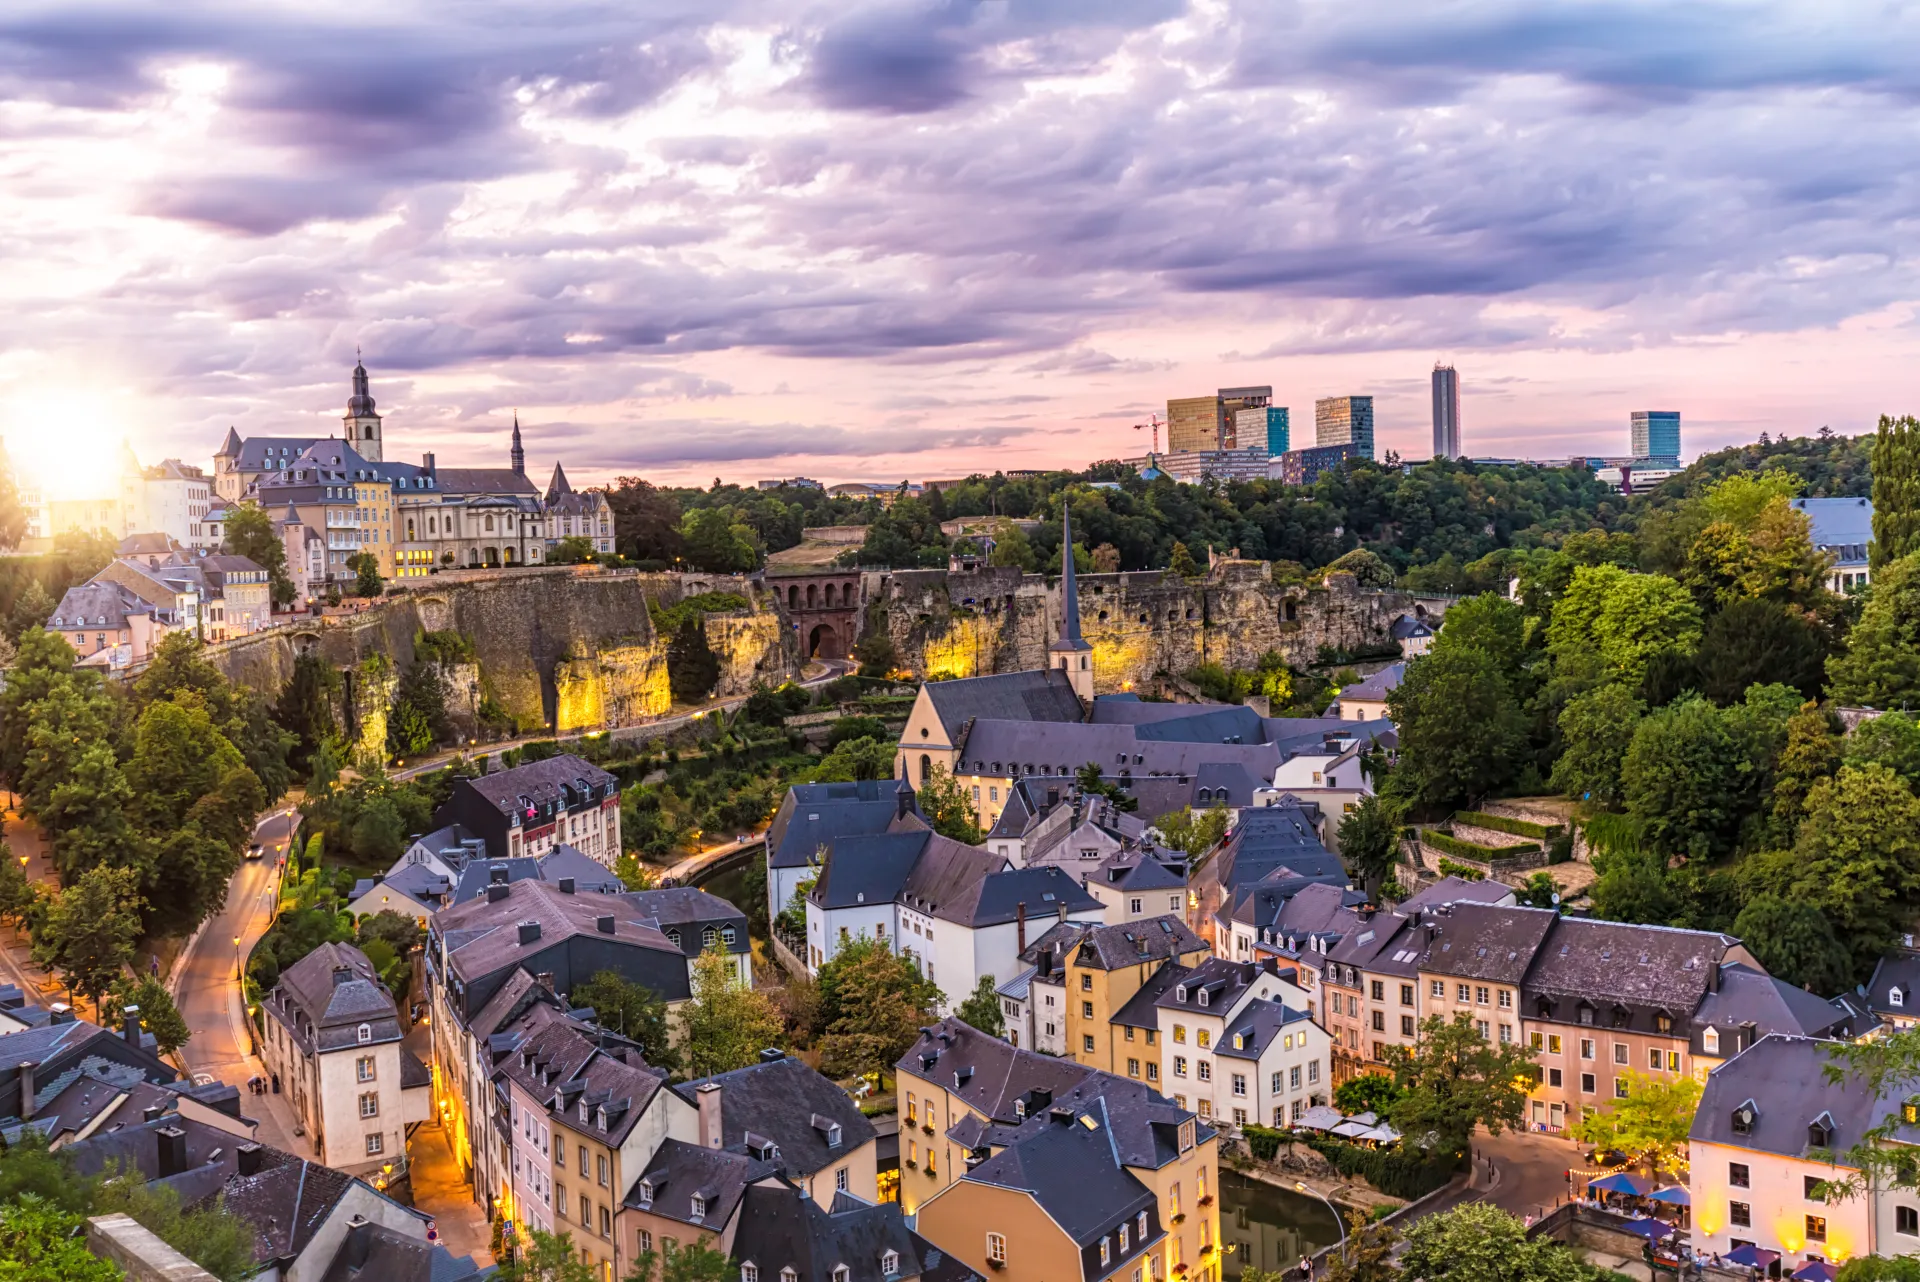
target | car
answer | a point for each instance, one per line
(253, 850)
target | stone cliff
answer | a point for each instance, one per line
(968, 623)
(570, 648)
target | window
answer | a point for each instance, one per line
(1506, 999)
(1653, 1059)
(1153, 1071)
(1086, 1010)
(1313, 1071)
(586, 1212)
(1710, 1040)
(1179, 1065)
(1438, 988)
(1406, 994)
(749, 1271)
(1379, 991)
(1406, 1026)
(889, 1263)
(1553, 1043)
(1464, 992)
(1086, 983)
(1380, 1021)
(583, 1161)
(1140, 1226)
(1816, 1228)
(1179, 1032)
(370, 1105)
(1134, 906)
(1133, 1067)
(1619, 1088)
(1106, 1250)
(1740, 1215)
(645, 1243)
(364, 1032)
(606, 1223)
(1586, 1048)
(1239, 1083)
(560, 1200)
(1738, 1176)
(600, 1168)
(1906, 1221)
(1086, 1042)
(996, 1248)
(841, 1273)
(375, 1144)
(1587, 1084)
(789, 1275)
(1810, 1188)
(1203, 1069)
(1480, 995)
(840, 1179)
(1673, 1061)
(1620, 1053)
(363, 1068)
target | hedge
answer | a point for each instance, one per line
(1448, 844)
(1401, 1171)
(1449, 868)
(1263, 1141)
(1500, 823)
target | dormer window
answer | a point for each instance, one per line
(699, 1207)
(841, 1273)
(1820, 1131)
(673, 937)
(364, 1032)
(1180, 993)
(833, 1136)
(749, 1271)
(708, 937)
(1743, 1118)
(1203, 997)
(889, 1264)
(1895, 997)
(1710, 1040)
(789, 1275)
(646, 1192)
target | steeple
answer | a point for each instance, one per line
(558, 485)
(519, 454)
(230, 448)
(1071, 653)
(361, 424)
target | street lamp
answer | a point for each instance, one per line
(236, 959)
(1339, 1223)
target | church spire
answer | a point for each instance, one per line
(519, 454)
(1071, 653)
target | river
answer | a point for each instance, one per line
(1269, 1227)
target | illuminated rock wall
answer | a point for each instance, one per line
(996, 620)
(571, 648)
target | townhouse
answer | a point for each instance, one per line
(1137, 1175)
(823, 1142)
(1893, 993)
(332, 1039)
(1077, 978)
(1372, 991)
(1748, 1002)
(1138, 885)
(1232, 1044)
(419, 887)
(531, 808)
(1766, 1121)
(813, 816)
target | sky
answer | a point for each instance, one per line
(696, 238)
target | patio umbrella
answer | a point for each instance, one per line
(1381, 1134)
(1648, 1227)
(1815, 1271)
(1753, 1257)
(1350, 1130)
(1319, 1118)
(1622, 1182)
(1674, 1193)
(1365, 1119)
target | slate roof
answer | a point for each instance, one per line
(946, 880)
(1259, 1023)
(483, 480)
(819, 814)
(1840, 524)
(678, 1170)
(416, 884)
(590, 876)
(375, 1253)
(1896, 970)
(542, 782)
(1134, 871)
(1388, 943)
(211, 1158)
(782, 1228)
(96, 604)
(1036, 695)
(1377, 686)
(1406, 627)
(1785, 1078)
(482, 936)
(412, 1072)
(1478, 941)
(1061, 748)
(997, 898)
(1292, 906)
(287, 1204)
(868, 869)
(1457, 890)
(251, 454)
(1151, 939)
(1647, 966)
(1142, 1009)
(1750, 996)
(1222, 982)
(780, 1099)
(1268, 837)
(323, 998)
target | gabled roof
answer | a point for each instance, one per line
(781, 1228)
(1749, 996)
(1151, 939)
(325, 996)
(1651, 966)
(868, 870)
(678, 1170)
(1212, 987)
(816, 815)
(1001, 896)
(483, 937)
(541, 782)
(1899, 970)
(1785, 1078)
(1068, 1165)
(1043, 695)
(1479, 941)
(1457, 890)
(1379, 685)
(483, 480)
(788, 1103)
(1254, 1029)
(373, 1252)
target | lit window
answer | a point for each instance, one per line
(997, 1248)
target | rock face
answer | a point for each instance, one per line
(969, 623)
(570, 648)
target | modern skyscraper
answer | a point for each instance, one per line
(1262, 427)
(1656, 434)
(1344, 420)
(1446, 412)
(1212, 422)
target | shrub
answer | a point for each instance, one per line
(1402, 1171)
(1448, 844)
(1449, 868)
(1262, 1141)
(1501, 823)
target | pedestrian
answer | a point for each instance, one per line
(1306, 1267)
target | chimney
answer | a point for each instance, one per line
(152, 1113)
(708, 1097)
(130, 1025)
(26, 1091)
(341, 974)
(248, 1158)
(566, 885)
(772, 1055)
(496, 893)
(604, 924)
(529, 933)
(1020, 927)
(359, 1241)
(173, 1150)
(1063, 910)
(426, 463)
(59, 1013)
(496, 874)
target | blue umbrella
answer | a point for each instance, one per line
(1815, 1271)
(1673, 1193)
(1622, 1182)
(1756, 1257)
(1651, 1229)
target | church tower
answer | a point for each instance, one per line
(1071, 653)
(518, 454)
(361, 423)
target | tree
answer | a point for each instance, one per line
(945, 803)
(1012, 548)
(418, 718)
(982, 1009)
(1649, 1124)
(1461, 729)
(696, 1261)
(250, 533)
(1453, 1080)
(213, 1237)
(1181, 562)
(16, 891)
(856, 760)
(546, 1257)
(692, 669)
(1633, 887)
(305, 708)
(1755, 643)
(1795, 942)
(849, 728)
(1682, 777)
(726, 1024)
(1368, 1093)
(711, 541)
(631, 1010)
(1479, 1242)
(158, 1014)
(399, 932)
(1540, 891)
(1896, 492)
(574, 549)
(1366, 1255)
(646, 521)
(873, 1003)
(1812, 753)
(40, 1243)
(1367, 569)
(1767, 555)
(1880, 1268)
(32, 608)
(366, 574)
(1490, 623)
(875, 653)
(1106, 559)
(90, 928)
(1624, 619)
(1881, 666)
(1194, 832)
(1370, 840)
(1596, 729)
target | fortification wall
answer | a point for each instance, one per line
(574, 648)
(968, 623)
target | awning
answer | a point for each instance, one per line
(1648, 1227)
(1622, 1182)
(1757, 1257)
(1815, 1271)
(1673, 1193)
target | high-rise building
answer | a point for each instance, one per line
(1262, 427)
(1446, 412)
(1656, 434)
(1213, 422)
(1344, 420)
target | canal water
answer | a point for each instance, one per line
(1268, 1227)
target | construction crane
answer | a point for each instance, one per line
(1153, 423)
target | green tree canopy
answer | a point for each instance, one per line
(1479, 1242)
(1193, 831)
(1370, 840)
(631, 1010)
(855, 760)
(1452, 1079)
(1681, 778)
(89, 930)
(1881, 665)
(250, 533)
(40, 1243)
(158, 1014)
(1896, 491)
(1795, 942)
(1462, 733)
(982, 1009)
(1367, 569)
(873, 1003)
(1596, 729)
(1368, 1093)
(692, 668)
(1625, 619)
(1489, 623)
(945, 803)
(726, 1024)
(1649, 1124)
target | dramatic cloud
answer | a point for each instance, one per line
(919, 238)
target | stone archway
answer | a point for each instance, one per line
(824, 643)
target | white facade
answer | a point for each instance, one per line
(1194, 1073)
(1123, 905)
(1745, 1195)
(349, 1100)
